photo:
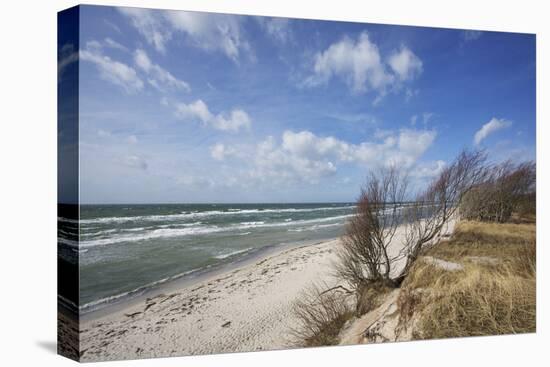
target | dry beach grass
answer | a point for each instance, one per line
(494, 292)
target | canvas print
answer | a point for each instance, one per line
(235, 183)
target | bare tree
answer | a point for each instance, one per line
(433, 208)
(365, 257)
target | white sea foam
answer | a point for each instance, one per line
(190, 215)
(201, 230)
(67, 220)
(252, 223)
(229, 254)
(314, 227)
(68, 242)
(111, 299)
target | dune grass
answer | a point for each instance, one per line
(491, 292)
(494, 292)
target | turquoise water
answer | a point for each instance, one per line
(127, 249)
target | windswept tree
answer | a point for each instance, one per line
(433, 208)
(366, 256)
(371, 252)
(505, 188)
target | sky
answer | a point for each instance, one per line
(179, 106)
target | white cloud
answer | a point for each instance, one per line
(307, 144)
(401, 149)
(405, 64)
(410, 93)
(426, 118)
(428, 170)
(277, 28)
(114, 44)
(234, 121)
(359, 64)
(132, 139)
(489, 128)
(67, 56)
(135, 161)
(275, 164)
(211, 32)
(354, 118)
(215, 32)
(106, 43)
(220, 152)
(471, 35)
(305, 157)
(103, 133)
(158, 77)
(150, 25)
(113, 71)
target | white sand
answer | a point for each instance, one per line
(248, 309)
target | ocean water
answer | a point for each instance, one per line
(125, 250)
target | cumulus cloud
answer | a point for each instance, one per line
(405, 64)
(490, 128)
(359, 64)
(211, 32)
(234, 121)
(113, 71)
(276, 164)
(159, 78)
(303, 156)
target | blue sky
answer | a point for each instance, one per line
(194, 107)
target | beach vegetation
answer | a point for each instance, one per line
(507, 188)
(366, 256)
(479, 281)
(321, 313)
(494, 291)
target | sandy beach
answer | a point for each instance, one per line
(242, 310)
(247, 309)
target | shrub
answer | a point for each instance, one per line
(507, 188)
(321, 315)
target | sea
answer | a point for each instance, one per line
(127, 250)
